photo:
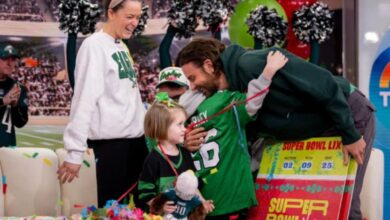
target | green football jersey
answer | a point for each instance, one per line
(223, 162)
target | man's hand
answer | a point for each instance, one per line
(12, 97)
(169, 207)
(68, 171)
(356, 150)
(194, 138)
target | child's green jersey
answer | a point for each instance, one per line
(223, 162)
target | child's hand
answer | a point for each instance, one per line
(208, 205)
(275, 61)
(169, 207)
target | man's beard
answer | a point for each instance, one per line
(209, 87)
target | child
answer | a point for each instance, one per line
(164, 122)
(223, 162)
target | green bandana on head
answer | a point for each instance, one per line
(162, 97)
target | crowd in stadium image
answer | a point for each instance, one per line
(49, 93)
(21, 10)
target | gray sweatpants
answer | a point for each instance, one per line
(364, 118)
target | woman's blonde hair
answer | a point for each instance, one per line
(118, 4)
(158, 118)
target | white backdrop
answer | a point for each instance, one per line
(374, 21)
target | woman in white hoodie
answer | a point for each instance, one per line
(107, 112)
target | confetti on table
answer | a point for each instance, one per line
(78, 206)
(86, 163)
(27, 155)
(60, 202)
(47, 161)
(4, 179)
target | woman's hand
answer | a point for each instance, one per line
(68, 171)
